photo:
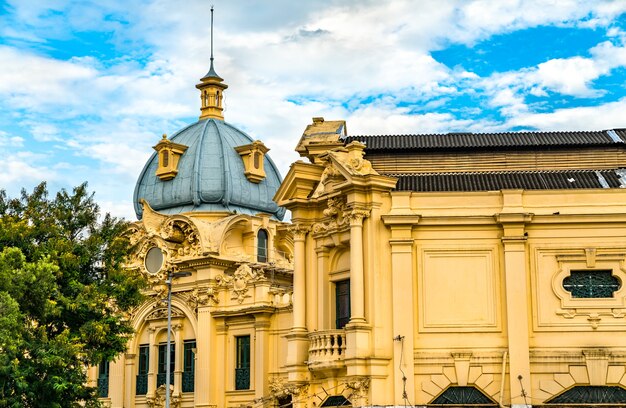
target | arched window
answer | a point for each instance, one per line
(261, 246)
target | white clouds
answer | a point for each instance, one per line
(98, 112)
(569, 76)
(7, 140)
(18, 171)
(31, 81)
(603, 116)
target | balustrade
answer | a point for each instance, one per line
(327, 348)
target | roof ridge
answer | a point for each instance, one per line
(511, 132)
(497, 172)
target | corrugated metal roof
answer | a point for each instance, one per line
(489, 140)
(493, 181)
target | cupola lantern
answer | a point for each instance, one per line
(211, 88)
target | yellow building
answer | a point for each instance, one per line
(459, 269)
(430, 270)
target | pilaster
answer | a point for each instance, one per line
(323, 295)
(517, 304)
(152, 363)
(261, 355)
(219, 364)
(178, 359)
(116, 382)
(204, 344)
(129, 379)
(402, 264)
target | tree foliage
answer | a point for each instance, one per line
(64, 296)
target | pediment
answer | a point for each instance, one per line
(299, 182)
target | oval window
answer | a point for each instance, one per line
(154, 260)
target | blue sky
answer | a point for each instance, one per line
(87, 87)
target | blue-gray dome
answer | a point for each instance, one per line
(210, 176)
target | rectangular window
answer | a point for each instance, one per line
(141, 387)
(242, 368)
(342, 303)
(189, 365)
(161, 373)
(103, 379)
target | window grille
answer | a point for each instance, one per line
(103, 379)
(161, 373)
(242, 369)
(460, 396)
(591, 284)
(141, 387)
(189, 365)
(589, 394)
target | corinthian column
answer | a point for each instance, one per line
(357, 287)
(299, 276)
(297, 339)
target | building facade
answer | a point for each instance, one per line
(429, 270)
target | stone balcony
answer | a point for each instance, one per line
(327, 350)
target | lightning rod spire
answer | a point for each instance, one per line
(211, 88)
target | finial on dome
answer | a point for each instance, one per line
(211, 89)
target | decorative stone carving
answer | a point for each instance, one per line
(329, 174)
(335, 206)
(184, 235)
(299, 230)
(135, 233)
(334, 213)
(200, 297)
(279, 387)
(239, 281)
(355, 161)
(280, 297)
(359, 388)
(161, 313)
(158, 401)
(356, 215)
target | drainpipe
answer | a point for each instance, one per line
(504, 355)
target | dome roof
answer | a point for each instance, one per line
(210, 175)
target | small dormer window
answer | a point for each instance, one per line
(169, 154)
(252, 156)
(257, 159)
(261, 246)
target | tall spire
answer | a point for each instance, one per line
(212, 72)
(211, 88)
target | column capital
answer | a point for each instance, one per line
(322, 250)
(299, 231)
(356, 215)
(513, 225)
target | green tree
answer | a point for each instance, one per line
(64, 296)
